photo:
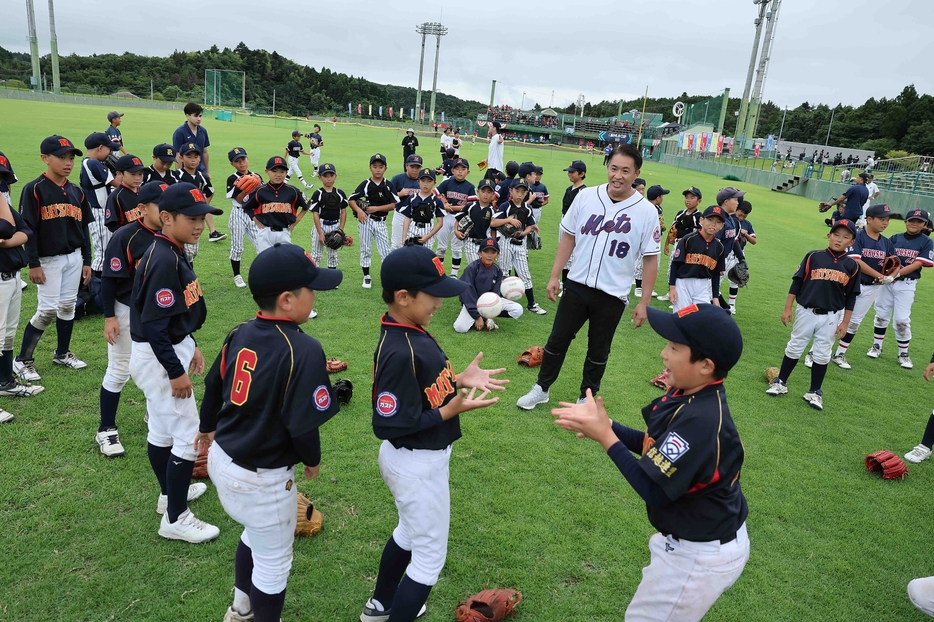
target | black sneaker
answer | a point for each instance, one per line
(216, 236)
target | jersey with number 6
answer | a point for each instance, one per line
(609, 237)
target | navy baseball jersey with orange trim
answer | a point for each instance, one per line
(275, 206)
(124, 252)
(122, 207)
(912, 248)
(59, 216)
(827, 281)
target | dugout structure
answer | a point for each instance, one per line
(225, 88)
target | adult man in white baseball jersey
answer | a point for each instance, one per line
(606, 228)
(494, 157)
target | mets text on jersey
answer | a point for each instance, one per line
(596, 226)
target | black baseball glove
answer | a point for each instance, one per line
(739, 274)
(423, 212)
(334, 239)
(415, 239)
(465, 224)
(343, 389)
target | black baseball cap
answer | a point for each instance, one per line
(706, 327)
(714, 211)
(427, 172)
(186, 199)
(526, 168)
(496, 124)
(880, 210)
(915, 214)
(489, 243)
(287, 267)
(461, 162)
(6, 170)
(236, 153)
(728, 193)
(100, 139)
(327, 167)
(151, 191)
(114, 115)
(129, 164)
(638, 182)
(414, 159)
(577, 165)
(849, 224)
(656, 191)
(538, 170)
(164, 152)
(189, 148)
(486, 183)
(519, 182)
(377, 157)
(276, 162)
(864, 176)
(695, 191)
(296, 133)
(58, 146)
(416, 267)
(512, 167)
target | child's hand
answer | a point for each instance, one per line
(588, 420)
(480, 323)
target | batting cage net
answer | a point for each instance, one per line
(706, 112)
(224, 88)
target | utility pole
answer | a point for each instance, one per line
(33, 44)
(827, 142)
(740, 134)
(420, 29)
(756, 102)
(492, 93)
(435, 28)
(726, 101)
(53, 39)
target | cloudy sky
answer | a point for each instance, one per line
(828, 51)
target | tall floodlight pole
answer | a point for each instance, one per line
(33, 44)
(756, 102)
(434, 28)
(420, 29)
(53, 39)
(740, 133)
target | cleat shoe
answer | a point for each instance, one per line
(312, 315)
(654, 294)
(18, 389)
(491, 325)
(372, 614)
(732, 309)
(5, 417)
(919, 454)
(216, 236)
(308, 186)
(814, 399)
(109, 442)
(903, 360)
(662, 298)
(537, 309)
(194, 491)
(777, 388)
(26, 370)
(638, 292)
(238, 281)
(533, 398)
(875, 351)
(233, 616)
(187, 528)
(840, 360)
(69, 360)
(367, 282)
(921, 594)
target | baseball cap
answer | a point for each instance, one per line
(100, 139)
(236, 153)
(880, 210)
(327, 167)
(276, 162)
(512, 168)
(706, 327)
(58, 145)
(186, 199)
(849, 224)
(114, 115)
(414, 159)
(864, 176)
(656, 191)
(486, 183)
(915, 214)
(129, 164)
(496, 124)
(6, 170)
(411, 129)
(296, 133)
(714, 211)
(728, 193)
(638, 182)
(577, 165)
(164, 152)
(377, 157)
(417, 267)
(538, 170)
(461, 162)
(287, 267)
(489, 243)
(526, 168)
(695, 191)
(427, 172)
(520, 182)
(151, 191)
(189, 148)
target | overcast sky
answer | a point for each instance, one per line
(829, 51)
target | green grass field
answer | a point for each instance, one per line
(533, 507)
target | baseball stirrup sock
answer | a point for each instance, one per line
(817, 376)
(6, 367)
(638, 283)
(531, 297)
(235, 265)
(928, 437)
(878, 336)
(788, 366)
(109, 403)
(178, 478)
(243, 574)
(266, 607)
(159, 459)
(392, 566)
(64, 328)
(903, 347)
(31, 337)
(409, 599)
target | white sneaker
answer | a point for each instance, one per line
(372, 614)
(919, 454)
(194, 491)
(537, 309)
(921, 594)
(533, 398)
(840, 360)
(233, 616)
(663, 297)
(809, 360)
(26, 370)
(312, 315)
(903, 360)
(69, 360)
(308, 186)
(109, 442)
(238, 281)
(732, 310)
(187, 528)
(777, 388)
(491, 325)
(581, 400)
(875, 351)
(654, 294)
(638, 292)
(367, 282)
(5, 417)
(815, 399)
(18, 389)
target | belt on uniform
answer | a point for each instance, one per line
(473, 240)
(6, 276)
(819, 311)
(329, 222)
(724, 540)
(378, 218)
(251, 468)
(516, 242)
(277, 229)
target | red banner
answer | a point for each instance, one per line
(359, 108)
(756, 149)
(719, 145)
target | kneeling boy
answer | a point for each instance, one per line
(482, 276)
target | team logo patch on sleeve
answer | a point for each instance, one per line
(657, 236)
(322, 398)
(673, 447)
(107, 213)
(165, 298)
(677, 252)
(115, 264)
(386, 404)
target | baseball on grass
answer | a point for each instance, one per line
(512, 288)
(489, 305)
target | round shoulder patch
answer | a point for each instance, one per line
(322, 398)
(165, 298)
(677, 252)
(386, 404)
(115, 264)
(107, 213)
(657, 236)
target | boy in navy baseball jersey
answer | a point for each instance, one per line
(697, 263)
(729, 199)
(516, 254)
(538, 193)
(483, 276)
(294, 151)
(265, 397)
(163, 157)
(417, 398)
(167, 306)
(686, 221)
(686, 468)
(315, 142)
(455, 193)
(656, 196)
(424, 214)
(240, 222)
(113, 130)
(59, 253)
(126, 247)
(480, 212)
(7, 179)
(276, 207)
(916, 251)
(122, 203)
(96, 182)
(405, 185)
(329, 210)
(371, 202)
(825, 287)
(190, 172)
(747, 235)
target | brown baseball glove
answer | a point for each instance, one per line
(672, 235)
(891, 265)
(482, 164)
(336, 365)
(310, 520)
(532, 357)
(824, 206)
(201, 465)
(248, 183)
(660, 381)
(771, 373)
(348, 241)
(488, 606)
(892, 466)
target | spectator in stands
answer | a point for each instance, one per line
(845, 175)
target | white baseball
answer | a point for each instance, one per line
(512, 288)
(489, 305)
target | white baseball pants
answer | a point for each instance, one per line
(118, 355)
(100, 238)
(897, 297)
(464, 323)
(516, 256)
(447, 238)
(11, 297)
(315, 157)
(267, 238)
(240, 223)
(59, 293)
(691, 292)
(293, 168)
(397, 238)
(371, 230)
(809, 325)
(867, 296)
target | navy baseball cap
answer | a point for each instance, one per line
(486, 183)
(915, 214)
(880, 210)
(728, 193)
(151, 191)
(377, 157)
(276, 162)
(327, 167)
(416, 267)
(693, 190)
(129, 164)
(526, 168)
(638, 182)
(538, 170)
(186, 199)
(164, 152)
(714, 211)
(296, 133)
(706, 327)
(489, 243)
(236, 153)
(577, 165)
(189, 148)
(512, 167)
(520, 182)
(461, 162)
(100, 139)
(287, 267)
(849, 224)
(114, 115)
(6, 170)
(427, 172)
(414, 159)
(656, 191)
(58, 146)
(864, 176)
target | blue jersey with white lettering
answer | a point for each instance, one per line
(871, 252)
(912, 248)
